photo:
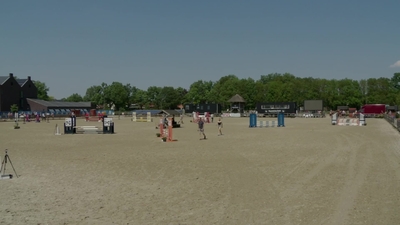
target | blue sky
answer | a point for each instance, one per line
(72, 45)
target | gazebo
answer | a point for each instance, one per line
(237, 104)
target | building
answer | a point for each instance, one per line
(28, 90)
(23, 93)
(12, 93)
(237, 104)
(273, 108)
(59, 107)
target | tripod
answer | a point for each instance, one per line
(3, 164)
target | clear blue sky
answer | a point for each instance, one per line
(72, 45)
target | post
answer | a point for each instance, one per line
(16, 117)
(133, 116)
(148, 117)
(73, 124)
(362, 120)
(253, 120)
(281, 119)
(334, 119)
(68, 126)
(108, 125)
(161, 127)
(169, 130)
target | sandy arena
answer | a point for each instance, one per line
(309, 172)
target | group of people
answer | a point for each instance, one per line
(201, 127)
(35, 116)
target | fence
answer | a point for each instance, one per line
(393, 121)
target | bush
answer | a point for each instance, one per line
(14, 108)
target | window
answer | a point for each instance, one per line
(186, 107)
(265, 106)
(208, 107)
(22, 94)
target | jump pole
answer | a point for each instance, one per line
(169, 139)
(161, 127)
(167, 133)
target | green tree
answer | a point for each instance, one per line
(74, 98)
(153, 96)
(247, 90)
(182, 92)
(381, 90)
(42, 90)
(223, 90)
(199, 92)
(117, 94)
(273, 87)
(96, 94)
(364, 90)
(170, 98)
(395, 80)
(350, 93)
(14, 108)
(139, 97)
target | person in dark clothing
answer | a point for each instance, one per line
(201, 128)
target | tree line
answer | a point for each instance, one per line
(273, 87)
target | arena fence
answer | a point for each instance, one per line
(393, 121)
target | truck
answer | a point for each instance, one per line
(373, 109)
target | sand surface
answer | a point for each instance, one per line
(308, 172)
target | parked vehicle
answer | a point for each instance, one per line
(372, 110)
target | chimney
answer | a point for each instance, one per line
(29, 77)
(11, 75)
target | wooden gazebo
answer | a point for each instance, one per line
(237, 104)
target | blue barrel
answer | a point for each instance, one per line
(253, 120)
(281, 120)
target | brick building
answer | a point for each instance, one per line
(15, 91)
(23, 93)
(28, 90)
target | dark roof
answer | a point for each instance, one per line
(61, 104)
(343, 107)
(170, 112)
(3, 79)
(21, 82)
(237, 98)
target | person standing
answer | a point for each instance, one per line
(201, 129)
(220, 126)
(212, 118)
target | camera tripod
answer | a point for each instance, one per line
(3, 164)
